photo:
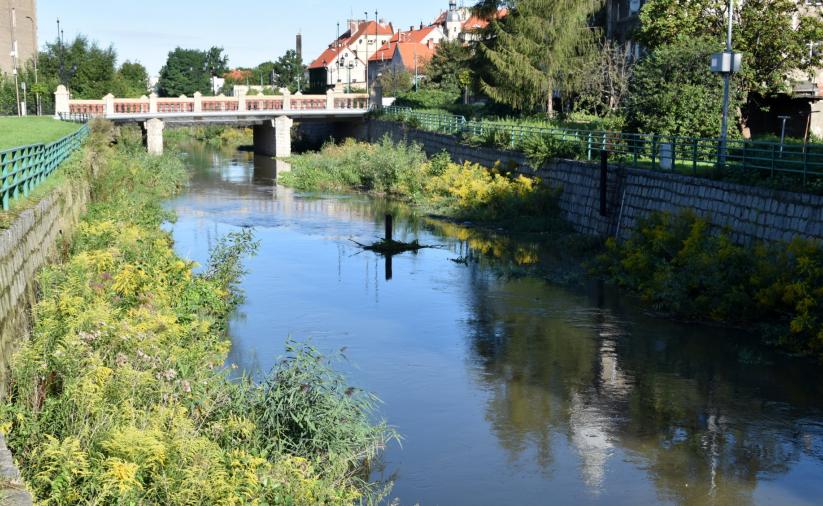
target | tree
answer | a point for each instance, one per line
(395, 80)
(443, 70)
(94, 67)
(604, 78)
(529, 53)
(774, 36)
(185, 72)
(216, 63)
(673, 92)
(288, 69)
(131, 80)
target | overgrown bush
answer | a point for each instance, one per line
(120, 397)
(542, 149)
(427, 98)
(680, 265)
(306, 408)
(472, 192)
(467, 191)
(387, 167)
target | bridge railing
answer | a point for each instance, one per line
(110, 106)
(801, 163)
(24, 167)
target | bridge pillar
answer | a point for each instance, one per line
(273, 138)
(153, 132)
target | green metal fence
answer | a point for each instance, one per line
(647, 151)
(23, 168)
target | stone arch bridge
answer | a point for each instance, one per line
(271, 116)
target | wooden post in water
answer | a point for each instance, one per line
(389, 227)
(604, 181)
(389, 269)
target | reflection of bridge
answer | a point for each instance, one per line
(271, 116)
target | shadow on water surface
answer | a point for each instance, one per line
(509, 389)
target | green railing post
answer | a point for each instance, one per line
(589, 149)
(774, 149)
(805, 159)
(694, 156)
(674, 154)
(654, 150)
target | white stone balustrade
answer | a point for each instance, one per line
(110, 106)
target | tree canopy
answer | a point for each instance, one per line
(775, 36)
(530, 52)
(89, 71)
(673, 92)
(190, 70)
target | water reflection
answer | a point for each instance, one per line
(701, 423)
(507, 388)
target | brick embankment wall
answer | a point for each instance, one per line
(750, 213)
(34, 239)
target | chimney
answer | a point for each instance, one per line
(421, 25)
(353, 26)
(299, 45)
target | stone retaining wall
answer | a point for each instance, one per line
(35, 238)
(750, 213)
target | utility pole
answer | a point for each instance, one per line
(14, 59)
(366, 17)
(724, 127)
(36, 53)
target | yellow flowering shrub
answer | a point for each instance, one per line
(118, 396)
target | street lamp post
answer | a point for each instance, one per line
(36, 52)
(366, 17)
(14, 58)
(349, 66)
(726, 63)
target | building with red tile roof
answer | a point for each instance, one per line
(345, 62)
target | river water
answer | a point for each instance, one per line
(507, 388)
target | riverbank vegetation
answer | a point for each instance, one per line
(464, 192)
(214, 136)
(120, 395)
(681, 267)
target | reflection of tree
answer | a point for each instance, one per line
(528, 362)
(704, 424)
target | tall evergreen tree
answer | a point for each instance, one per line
(529, 53)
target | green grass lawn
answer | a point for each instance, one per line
(16, 131)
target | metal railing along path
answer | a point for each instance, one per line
(23, 168)
(645, 151)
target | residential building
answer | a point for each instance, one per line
(18, 33)
(344, 64)
(410, 51)
(458, 23)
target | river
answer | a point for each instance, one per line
(507, 388)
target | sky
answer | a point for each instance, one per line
(251, 31)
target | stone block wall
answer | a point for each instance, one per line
(34, 239)
(750, 213)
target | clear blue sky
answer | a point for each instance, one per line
(251, 31)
